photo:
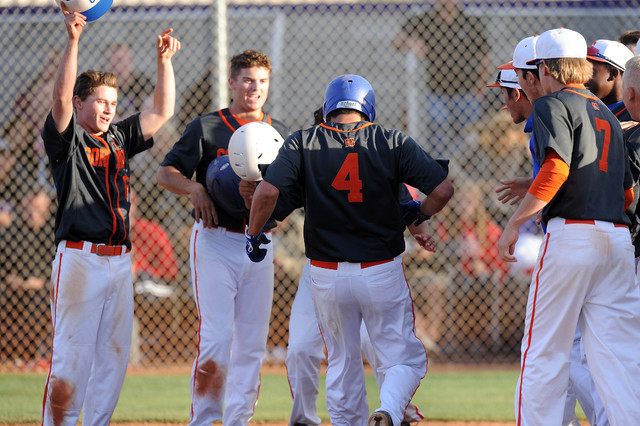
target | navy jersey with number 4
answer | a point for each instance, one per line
(586, 136)
(351, 175)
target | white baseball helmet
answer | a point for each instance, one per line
(251, 146)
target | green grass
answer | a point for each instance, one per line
(477, 395)
(443, 395)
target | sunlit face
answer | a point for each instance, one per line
(250, 89)
(97, 111)
(516, 109)
(524, 83)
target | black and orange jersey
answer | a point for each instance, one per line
(587, 136)
(204, 139)
(91, 175)
(351, 175)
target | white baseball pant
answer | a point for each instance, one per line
(584, 275)
(380, 296)
(92, 316)
(583, 388)
(234, 297)
(305, 352)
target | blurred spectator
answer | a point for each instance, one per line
(152, 254)
(629, 39)
(477, 274)
(454, 44)
(8, 186)
(22, 131)
(27, 250)
(154, 267)
(135, 89)
(197, 99)
(494, 149)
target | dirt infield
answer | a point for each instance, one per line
(424, 423)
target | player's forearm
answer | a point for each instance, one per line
(164, 100)
(529, 207)
(437, 199)
(171, 179)
(63, 86)
(262, 206)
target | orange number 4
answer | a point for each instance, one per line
(348, 178)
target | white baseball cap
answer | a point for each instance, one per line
(610, 52)
(560, 43)
(525, 51)
(506, 78)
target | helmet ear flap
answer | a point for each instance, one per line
(252, 145)
(350, 91)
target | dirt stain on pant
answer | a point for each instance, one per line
(210, 379)
(60, 397)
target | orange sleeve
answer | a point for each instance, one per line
(628, 197)
(553, 173)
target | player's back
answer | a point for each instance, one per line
(351, 174)
(587, 136)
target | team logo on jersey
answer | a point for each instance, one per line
(350, 142)
(595, 106)
(99, 157)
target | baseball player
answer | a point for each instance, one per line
(92, 291)
(585, 269)
(513, 190)
(581, 386)
(608, 58)
(305, 349)
(353, 235)
(233, 295)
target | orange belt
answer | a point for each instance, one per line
(592, 222)
(334, 265)
(99, 249)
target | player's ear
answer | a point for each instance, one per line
(517, 94)
(632, 94)
(613, 73)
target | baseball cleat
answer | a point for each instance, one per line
(380, 418)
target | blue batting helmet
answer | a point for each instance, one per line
(350, 91)
(222, 186)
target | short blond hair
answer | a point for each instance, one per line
(631, 76)
(569, 70)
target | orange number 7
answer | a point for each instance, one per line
(604, 127)
(348, 178)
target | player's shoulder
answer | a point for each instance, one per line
(556, 103)
(282, 128)
(632, 135)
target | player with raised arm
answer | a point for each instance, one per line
(92, 289)
(351, 169)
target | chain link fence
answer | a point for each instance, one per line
(429, 68)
